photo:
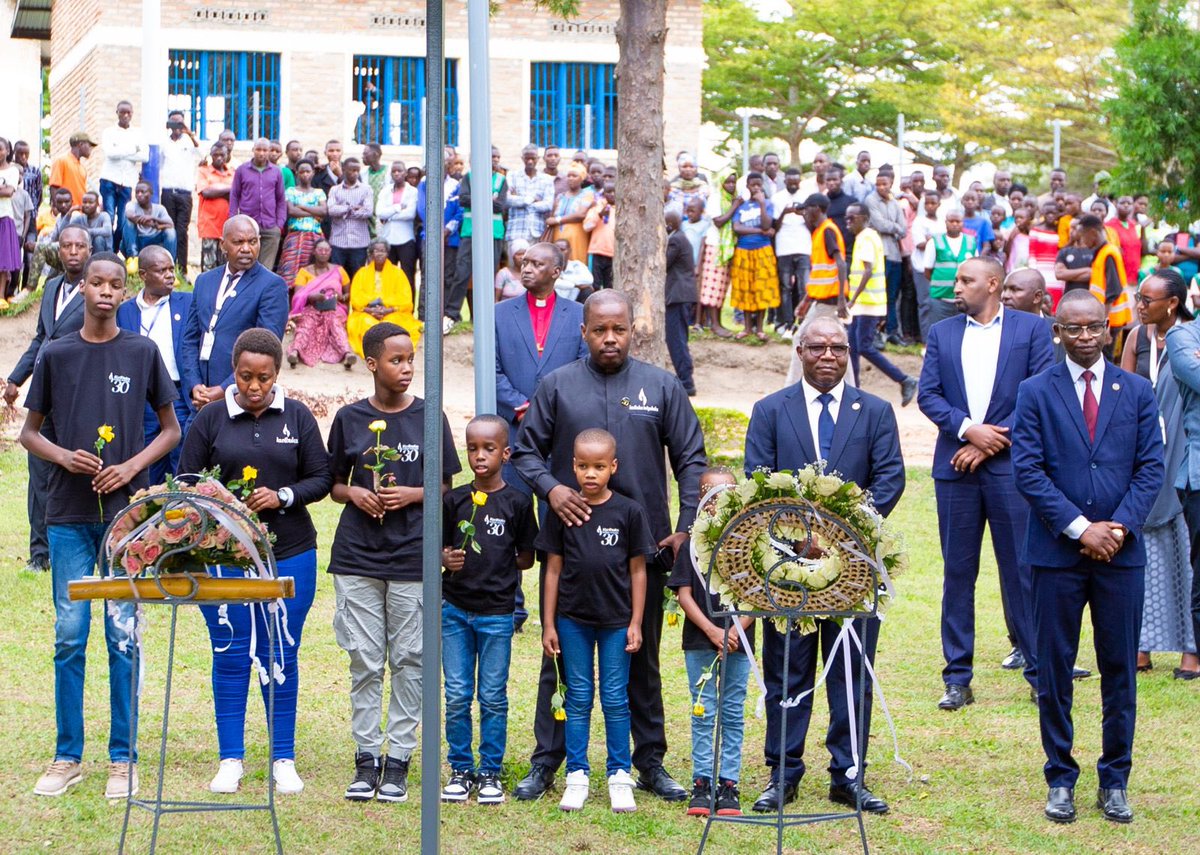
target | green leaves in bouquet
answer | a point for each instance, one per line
(468, 530)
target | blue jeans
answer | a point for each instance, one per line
(732, 699)
(580, 643)
(114, 198)
(893, 272)
(862, 343)
(132, 243)
(231, 660)
(170, 462)
(471, 641)
(74, 551)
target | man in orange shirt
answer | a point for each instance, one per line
(67, 170)
(213, 182)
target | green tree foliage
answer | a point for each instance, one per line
(1155, 115)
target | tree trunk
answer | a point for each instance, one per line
(639, 267)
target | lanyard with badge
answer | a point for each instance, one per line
(158, 310)
(1154, 368)
(226, 292)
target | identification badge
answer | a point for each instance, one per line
(206, 346)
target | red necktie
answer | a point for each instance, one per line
(1091, 409)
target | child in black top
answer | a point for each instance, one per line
(488, 537)
(705, 641)
(594, 596)
(94, 385)
(376, 558)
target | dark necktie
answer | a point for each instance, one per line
(825, 426)
(1091, 409)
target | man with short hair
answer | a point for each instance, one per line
(1058, 186)
(772, 183)
(294, 152)
(793, 250)
(1092, 264)
(943, 255)
(456, 291)
(941, 182)
(97, 222)
(856, 183)
(1099, 193)
(1025, 291)
(146, 224)
(827, 289)
(376, 178)
(551, 158)
(1001, 185)
(530, 199)
(839, 202)
(31, 180)
(180, 155)
(924, 226)
(67, 172)
(214, 181)
(816, 184)
(351, 208)
(125, 150)
(681, 298)
(257, 192)
(889, 221)
(1129, 236)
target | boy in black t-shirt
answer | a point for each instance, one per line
(488, 534)
(95, 385)
(593, 599)
(703, 641)
(376, 559)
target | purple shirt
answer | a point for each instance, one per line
(259, 195)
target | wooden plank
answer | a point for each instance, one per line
(179, 585)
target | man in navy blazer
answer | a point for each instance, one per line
(60, 314)
(226, 302)
(159, 312)
(974, 363)
(855, 433)
(1088, 457)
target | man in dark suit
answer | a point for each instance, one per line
(973, 365)
(60, 314)
(1088, 457)
(159, 313)
(822, 418)
(226, 302)
(681, 299)
(1025, 291)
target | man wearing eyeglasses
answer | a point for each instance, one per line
(1088, 457)
(974, 363)
(822, 418)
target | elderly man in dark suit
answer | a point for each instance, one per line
(1088, 457)
(226, 302)
(61, 314)
(822, 418)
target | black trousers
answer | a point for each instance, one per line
(349, 258)
(179, 208)
(1191, 513)
(404, 256)
(793, 279)
(910, 327)
(458, 278)
(678, 320)
(646, 720)
(602, 271)
(35, 505)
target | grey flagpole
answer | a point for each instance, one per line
(482, 261)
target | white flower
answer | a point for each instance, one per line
(827, 485)
(747, 491)
(701, 527)
(727, 500)
(807, 476)
(781, 481)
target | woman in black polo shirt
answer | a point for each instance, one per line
(257, 426)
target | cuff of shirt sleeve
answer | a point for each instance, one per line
(286, 496)
(966, 425)
(1077, 527)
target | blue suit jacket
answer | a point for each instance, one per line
(1063, 474)
(865, 448)
(261, 301)
(1026, 349)
(518, 369)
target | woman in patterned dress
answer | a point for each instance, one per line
(753, 276)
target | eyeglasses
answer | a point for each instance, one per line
(818, 350)
(1146, 301)
(1076, 330)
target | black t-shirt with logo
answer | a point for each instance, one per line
(1075, 258)
(83, 385)
(362, 546)
(682, 576)
(504, 526)
(594, 586)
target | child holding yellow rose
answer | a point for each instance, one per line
(488, 534)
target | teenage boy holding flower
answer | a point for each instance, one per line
(489, 530)
(94, 386)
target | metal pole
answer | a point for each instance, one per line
(899, 148)
(745, 143)
(154, 89)
(587, 128)
(254, 126)
(422, 120)
(482, 257)
(1057, 123)
(431, 554)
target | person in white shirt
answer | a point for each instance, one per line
(928, 222)
(396, 208)
(793, 250)
(125, 150)
(179, 156)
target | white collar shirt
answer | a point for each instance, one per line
(1077, 379)
(813, 406)
(155, 324)
(980, 356)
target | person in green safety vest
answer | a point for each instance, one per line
(457, 282)
(943, 255)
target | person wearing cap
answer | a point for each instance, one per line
(1099, 184)
(125, 150)
(827, 288)
(67, 172)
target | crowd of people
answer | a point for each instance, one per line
(1018, 301)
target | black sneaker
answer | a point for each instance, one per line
(394, 785)
(701, 801)
(458, 788)
(490, 790)
(729, 803)
(366, 778)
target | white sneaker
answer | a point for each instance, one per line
(229, 775)
(576, 792)
(287, 782)
(447, 324)
(620, 792)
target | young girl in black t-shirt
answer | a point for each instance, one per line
(376, 558)
(593, 598)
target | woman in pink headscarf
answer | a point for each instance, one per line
(319, 312)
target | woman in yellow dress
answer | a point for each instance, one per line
(380, 292)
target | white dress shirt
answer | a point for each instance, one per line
(1080, 524)
(980, 355)
(814, 408)
(155, 324)
(177, 167)
(793, 236)
(125, 150)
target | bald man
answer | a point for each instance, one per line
(1025, 291)
(257, 192)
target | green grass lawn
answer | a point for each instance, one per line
(977, 785)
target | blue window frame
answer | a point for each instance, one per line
(560, 94)
(390, 90)
(219, 90)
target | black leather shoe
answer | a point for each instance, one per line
(956, 697)
(768, 802)
(908, 390)
(535, 784)
(1033, 695)
(657, 781)
(1114, 804)
(1080, 673)
(847, 794)
(1014, 661)
(1060, 804)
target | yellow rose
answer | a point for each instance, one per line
(249, 473)
(672, 619)
(698, 710)
(105, 432)
(560, 714)
(479, 498)
(377, 426)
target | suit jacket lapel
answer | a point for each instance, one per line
(1007, 333)
(557, 319)
(1108, 400)
(797, 413)
(525, 328)
(955, 354)
(1066, 390)
(848, 412)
